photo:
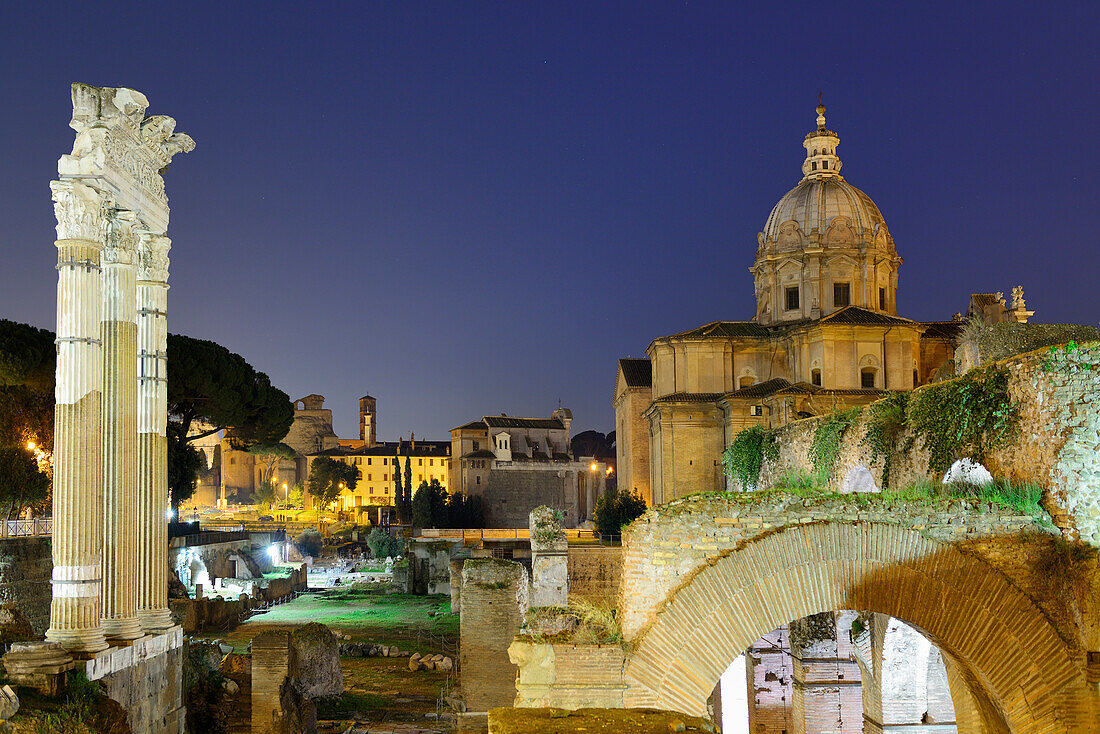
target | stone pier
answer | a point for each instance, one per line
(549, 559)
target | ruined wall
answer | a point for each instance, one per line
(568, 676)
(511, 494)
(493, 607)
(595, 572)
(146, 679)
(26, 566)
(1059, 399)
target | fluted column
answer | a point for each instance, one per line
(118, 330)
(77, 454)
(152, 426)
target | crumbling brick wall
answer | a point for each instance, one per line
(493, 606)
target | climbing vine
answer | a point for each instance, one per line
(969, 415)
(827, 439)
(742, 459)
(885, 422)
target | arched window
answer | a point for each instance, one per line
(867, 377)
(815, 377)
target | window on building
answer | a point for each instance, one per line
(431, 462)
(476, 445)
(420, 477)
(420, 462)
(815, 377)
(916, 378)
(867, 377)
(368, 477)
(842, 295)
(746, 381)
(372, 490)
(756, 410)
(824, 164)
(368, 461)
(478, 480)
(813, 165)
(792, 298)
(882, 299)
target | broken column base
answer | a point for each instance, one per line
(40, 665)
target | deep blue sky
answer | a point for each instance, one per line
(473, 207)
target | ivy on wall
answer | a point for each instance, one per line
(970, 415)
(885, 422)
(827, 439)
(742, 459)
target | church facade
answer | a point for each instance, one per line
(826, 335)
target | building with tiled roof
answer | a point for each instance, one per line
(517, 464)
(826, 335)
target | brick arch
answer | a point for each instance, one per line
(1021, 674)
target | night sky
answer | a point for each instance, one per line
(472, 207)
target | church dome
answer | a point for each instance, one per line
(825, 245)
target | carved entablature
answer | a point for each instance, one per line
(120, 244)
(117, 143)
(81, 211)
(153, 257)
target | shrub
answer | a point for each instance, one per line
(885, 422)
(383, 545)
(827, 439)
(742, 458)
(617, 508)
(310, 543)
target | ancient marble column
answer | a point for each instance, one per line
(77, 454)
(152, 425)
(118, 329)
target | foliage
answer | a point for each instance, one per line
(799, 482)
(885, 422)
(27, 355)
(1023, 499)
(328, 478)
(208, 384)
(616, 509)
(296, 496)
(743, 457)
(402, 495)
(265, 496)
(26, 416)
(383, 545)
(1052, 361)
(22, 483)
(827, 440)
(970, 415)
(465, 511)
(269, 455)
(429, 505)
(184, 463)
(547, 525)
(598, 623)
(310, 543)
(408, 479)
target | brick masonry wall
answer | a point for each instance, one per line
(595, 572)
(493, 606)
(711, 573)
(26, 566)
(1058, 446)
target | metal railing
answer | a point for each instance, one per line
(26, 528)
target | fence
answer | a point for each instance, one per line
(498, 534)
(26, 528)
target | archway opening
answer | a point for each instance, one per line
(843, 672)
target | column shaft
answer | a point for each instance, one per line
(119, 335)
(77, 456)
(152, 457)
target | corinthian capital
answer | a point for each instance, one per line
(122, 238)
(80, 211)
(153, 257)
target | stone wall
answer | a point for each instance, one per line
(595, 572)
(1059, 399)
(493, 608)
(511, 493)
(26, 567)
(568, 676)
(146, 679)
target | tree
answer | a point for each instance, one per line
(429, 505)
(399, 503)
(296, 496)
(27, 355)
(269, 454)
(329, 477)
(27, 359)
(383, 545)
(22, 483)
(408, 479)
(465, 512)
(208, 384)
(617, 508)
(184, 463)
(266, 496)
(310, 543)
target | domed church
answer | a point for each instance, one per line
(826, 335)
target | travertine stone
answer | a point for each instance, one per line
(549, 559)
